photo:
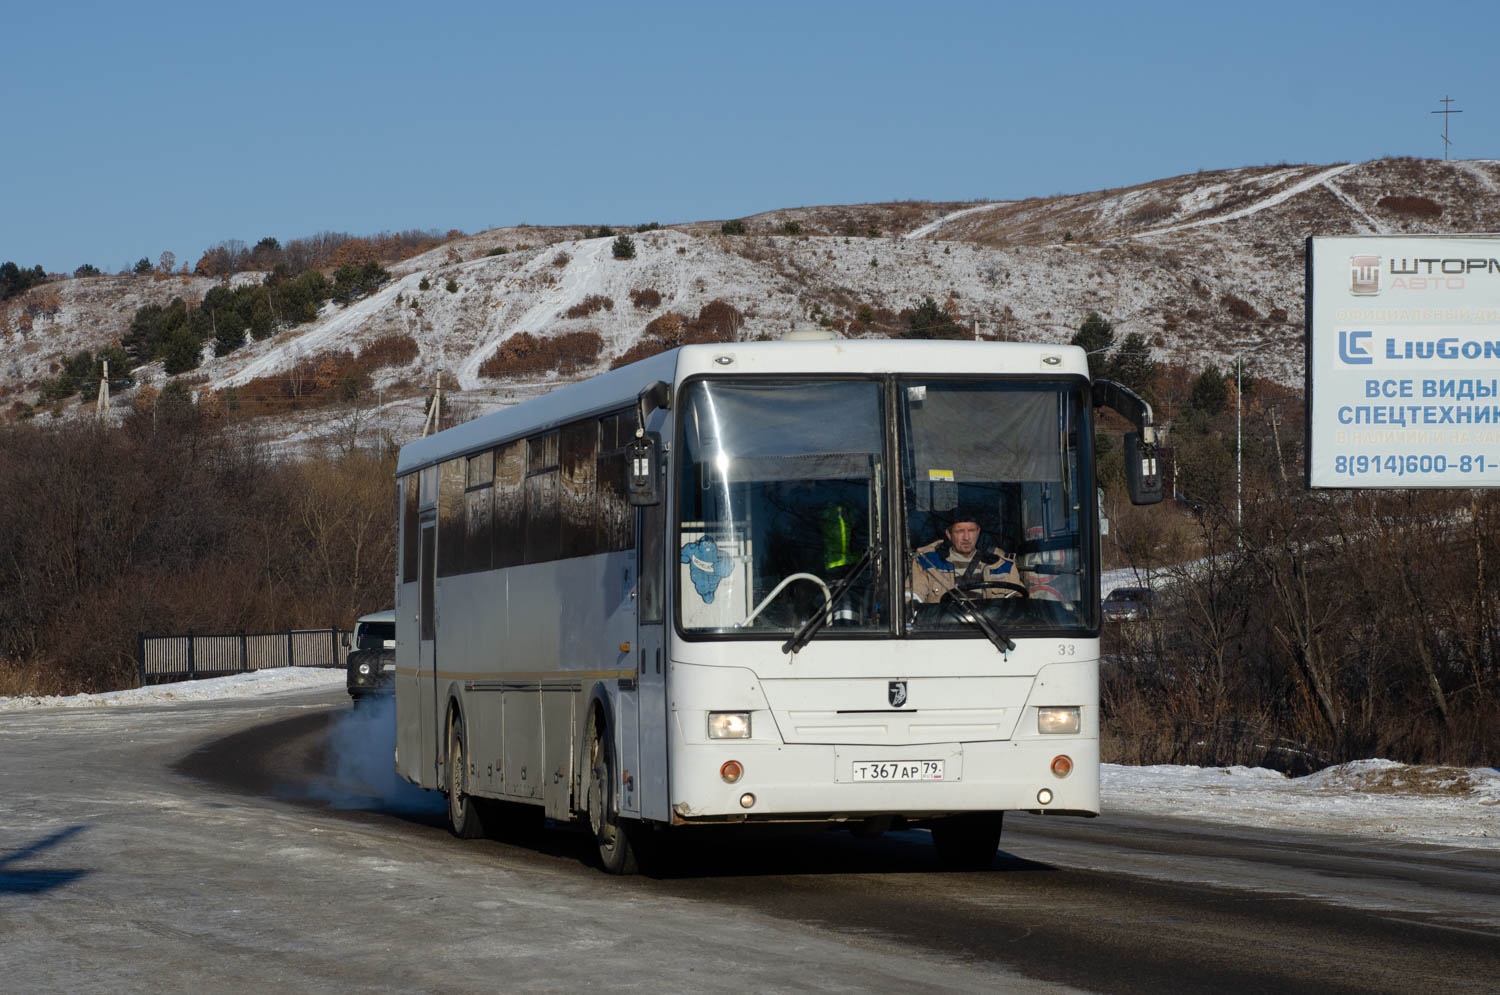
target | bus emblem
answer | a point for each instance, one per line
(897, 693)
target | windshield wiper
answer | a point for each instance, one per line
(971, 613)
(818, 619)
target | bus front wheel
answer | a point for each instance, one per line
(616, 855)
(969, 841)
(463, 811)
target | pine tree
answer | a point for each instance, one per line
(1210, 391)
(926, 319)
(1096, 336)
(1133, 366)
(624, 247)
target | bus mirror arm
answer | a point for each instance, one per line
(1142, 468)
(657, 394)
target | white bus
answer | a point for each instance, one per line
(710, 618)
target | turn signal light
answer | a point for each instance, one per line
(732, 771)
(1062, 765)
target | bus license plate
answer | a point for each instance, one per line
(897, 770)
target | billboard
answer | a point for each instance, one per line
(1403, 361)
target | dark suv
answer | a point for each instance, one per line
(372, 655)
(1129, 604)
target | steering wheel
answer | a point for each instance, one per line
(1003, 585)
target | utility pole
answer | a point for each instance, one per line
(101, 406)
(1276, 434)
(434, 421)
(1239, 443)
(1445, 112)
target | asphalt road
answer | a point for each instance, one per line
(244, 845)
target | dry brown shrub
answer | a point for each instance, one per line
(717, 321)
(524, 354)
(643, 349)
(646, 299)
(561, 259)
(668, 329)
(1410, 207)
(357, 251)
(1239, 307)
(590, 304)
(313, 382)
(1153, 211)
(396, 349)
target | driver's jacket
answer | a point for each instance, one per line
(936, 569)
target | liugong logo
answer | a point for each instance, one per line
(1364, 275)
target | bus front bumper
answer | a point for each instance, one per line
(792, 783)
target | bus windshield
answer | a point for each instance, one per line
(995, 491)
(783, 487)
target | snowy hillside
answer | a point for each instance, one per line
(1204, 265)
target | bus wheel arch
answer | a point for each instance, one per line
(601, 769)
(463, 809)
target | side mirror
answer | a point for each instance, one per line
(345, 639)
(643, 476)
(1142, 473)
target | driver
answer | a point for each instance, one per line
(957, 561)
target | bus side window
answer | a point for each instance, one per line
(409, 528)
(479, 514)
(578, 459)
(510, 504)
(615, 521)
(451, 559)
(543, 511)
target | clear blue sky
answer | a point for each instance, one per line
(131, 128)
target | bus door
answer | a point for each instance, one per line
(651, 664)
(427, 650)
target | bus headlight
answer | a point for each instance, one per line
(728, 725)
(364, 668)
(1058, 720)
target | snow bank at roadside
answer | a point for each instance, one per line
(1458, 806)
(261, 682)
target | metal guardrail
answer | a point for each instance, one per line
(164, 658)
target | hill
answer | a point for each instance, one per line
(1205, 266)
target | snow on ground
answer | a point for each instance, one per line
(1452, 806)
(933, 226)
(261, 682)
(1455, 806)
(1277, 198)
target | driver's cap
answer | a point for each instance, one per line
(962, 514)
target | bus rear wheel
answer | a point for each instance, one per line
(463, 812)
(968, 842)
(616, 855)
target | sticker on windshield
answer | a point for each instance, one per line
(707, 566)
(940, 475)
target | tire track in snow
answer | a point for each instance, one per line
(577, 278)
(1353, 205)
(348, 320)
(1475, 168)
(933, 226)
(1300, 186)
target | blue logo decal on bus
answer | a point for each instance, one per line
(706, 566)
